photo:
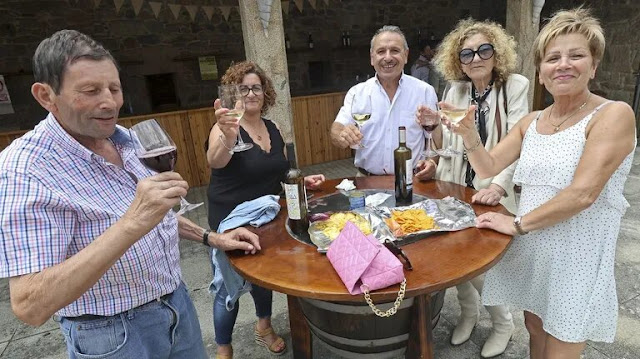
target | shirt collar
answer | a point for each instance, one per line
(62, 138)
(402, 76)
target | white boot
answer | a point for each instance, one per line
(500, 333)
(468, 298)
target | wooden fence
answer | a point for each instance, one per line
(312, 119)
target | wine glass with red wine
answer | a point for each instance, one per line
(157, 151)
(429, 120)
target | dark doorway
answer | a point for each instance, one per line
(162, 91)
(319, 74)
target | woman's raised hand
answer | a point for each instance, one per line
(464, 127)
(228, 125)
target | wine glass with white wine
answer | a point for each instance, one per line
(360, 112)
(231, 98)
(457, 99)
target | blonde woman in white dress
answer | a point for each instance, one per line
(574, 158)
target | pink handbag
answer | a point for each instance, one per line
(364, 264)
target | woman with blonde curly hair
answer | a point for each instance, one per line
(482, 56)
(573, 160)
(241, 177)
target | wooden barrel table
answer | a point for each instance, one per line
(319, 302)
(351, 329)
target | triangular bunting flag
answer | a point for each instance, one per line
(192, 10)
(137, 5)
(118, 4)
(226, 10)
(96, 3)
(326, 2)
(299, 4)
(156, 7)
(208, 10)
(313, 4)
(285, 7)
(264, 8)
(175, 9)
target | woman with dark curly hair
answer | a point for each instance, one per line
(481, 57)
(244, 176)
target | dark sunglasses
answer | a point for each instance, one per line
(393, 248)
(484, 51)
(244, 90)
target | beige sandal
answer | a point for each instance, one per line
(260, 340)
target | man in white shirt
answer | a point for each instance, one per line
(395, 98)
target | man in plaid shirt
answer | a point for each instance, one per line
(87, 232)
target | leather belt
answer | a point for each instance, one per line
(86, 317)
(365, 172)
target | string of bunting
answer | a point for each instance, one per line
(157, 7)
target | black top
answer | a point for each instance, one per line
(248, 175)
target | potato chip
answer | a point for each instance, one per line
(332, 226)
(410, 221)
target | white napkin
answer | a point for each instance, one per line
(346, 185)
(376, 199)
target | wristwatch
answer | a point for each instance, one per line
(517, 224)
(205, 237)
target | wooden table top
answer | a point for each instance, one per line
(439, 261)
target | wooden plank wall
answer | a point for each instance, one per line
(312, 119)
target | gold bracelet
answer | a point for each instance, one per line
(474, 147)
(225, 145)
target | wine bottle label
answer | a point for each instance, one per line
(408, 168)
(293, 202)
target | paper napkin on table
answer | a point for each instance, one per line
(346, 185)
(376, 199)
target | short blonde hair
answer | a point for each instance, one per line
(564, 22)
(448, 63)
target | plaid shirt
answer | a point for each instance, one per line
(58, 196)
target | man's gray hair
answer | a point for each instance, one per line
(389, 28)
(56, 53)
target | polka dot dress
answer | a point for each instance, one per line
(565, 273)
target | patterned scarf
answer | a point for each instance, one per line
(482, 110)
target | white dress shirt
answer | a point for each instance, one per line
(380, 132)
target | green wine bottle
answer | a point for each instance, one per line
(403, 169)
(296, 195)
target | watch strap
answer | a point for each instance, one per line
(205, 237)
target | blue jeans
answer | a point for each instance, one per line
(165, 328)
(224, 320)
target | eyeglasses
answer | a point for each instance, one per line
(484, 51)
(256, 89)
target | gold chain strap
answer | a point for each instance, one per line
(396, 304)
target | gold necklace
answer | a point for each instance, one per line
(556, 128)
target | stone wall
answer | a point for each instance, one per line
(145, 45)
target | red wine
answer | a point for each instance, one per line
(161, 159)
(429, 128)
